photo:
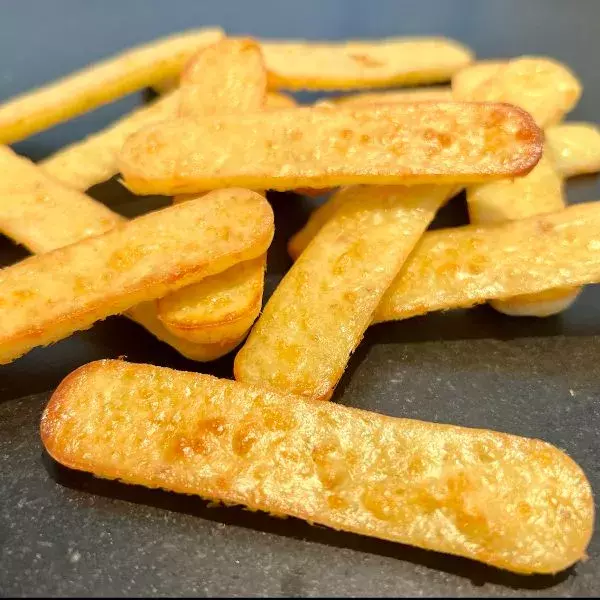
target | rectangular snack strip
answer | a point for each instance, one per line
(511, 502)
(313, 65)
(547, 90)
(319, 312)
(99, 84)
(43, 215)
(311, 147)
(464, 266)
(47, 297)
(574, 149)
(229, 76)
(426, 94)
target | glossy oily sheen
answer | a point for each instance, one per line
(512, 502)
(311, 147)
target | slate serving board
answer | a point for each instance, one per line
(66, 533)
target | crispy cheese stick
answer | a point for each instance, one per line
(43, 215)
(229, 76)
(319, 312)
(47, 297)
(548, 90)
(464, 266)
(472, 76)
(98, 84)
(94, 159)
(362, 64)
(311, 147)
(574, 148)
(511, 502)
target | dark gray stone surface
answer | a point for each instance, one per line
(66, 533)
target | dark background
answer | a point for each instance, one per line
(66, 533)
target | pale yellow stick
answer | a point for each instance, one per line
(100, 83)
(94, 159)
(362, 64)
(49, 296)
(472, 76)
(547, 90)
(511, 502)
(229, 76)
(319, 312)
(429, 94)
(464, 266)
(43, 215)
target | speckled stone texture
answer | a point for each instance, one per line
(67, 533)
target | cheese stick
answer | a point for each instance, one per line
(511, 502)
(319, 312)
(425, 94)
(464, 266)
(99, 84)
(311, 147)
(548, 90)
(47, 297)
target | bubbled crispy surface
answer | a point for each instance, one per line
(319, 312)
(311, 147)
(452, 268)
(46, 297)
(217, 308)
(512, 502)
(360, 64)
(39, 212)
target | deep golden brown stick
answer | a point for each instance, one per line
(511, 502)
(311, 147)
(100, 83)
(47, 297)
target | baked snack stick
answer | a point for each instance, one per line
(548, 90)
(229, 76)
(464, 266)
(94, 159)
(420, 94)
(511, 502)
(312, 65)
(43, 215)
(47, 297)
(319, 312)
(99, 84)
(573, 147)
(311, 147)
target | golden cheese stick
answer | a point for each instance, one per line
(100, 83)
(511, 502)
(43, 215)
(319, 312)
(229, 76)
(548, 90)
(311, 147)
(427, 94)
(543, 87)
(226, 77)
(94, 159)
(472, 76)
(47, 297)
(464, 266)
(362, 64)
(574, 148)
